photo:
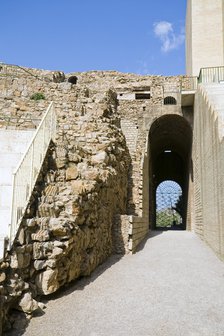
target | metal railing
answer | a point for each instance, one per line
(189, 84)
(211, 75)
(26, 174)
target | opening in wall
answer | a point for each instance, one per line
(170, 139)
(142, 96)
(170, 101)
(169, 205)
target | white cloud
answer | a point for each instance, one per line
(169, 39)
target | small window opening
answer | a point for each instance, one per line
(72, 79)
(170, 101)
(142, 96)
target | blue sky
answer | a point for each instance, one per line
(138, 36)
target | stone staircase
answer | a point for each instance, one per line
(13, 144)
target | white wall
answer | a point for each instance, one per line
(13, 144)
(204, 35)
(208, 160)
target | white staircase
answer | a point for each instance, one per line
(13, 144)
(22, 154)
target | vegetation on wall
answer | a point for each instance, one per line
(37, 96)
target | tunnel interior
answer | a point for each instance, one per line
(170, 140)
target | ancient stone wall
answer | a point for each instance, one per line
(68, 229)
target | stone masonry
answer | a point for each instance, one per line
(92, 195)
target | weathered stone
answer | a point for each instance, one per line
(60, 231)
(51, 190)
(31, 222)
(78, 187)
(14, 261)
(56, 253)
(39, 264)
(21, 236)
(72, 173)
(90, 174)
(46, 282)
(2, 277)
(41, 235)
(27, 304)
(74, 157)
(41, 250)
(99, 158)
(51, 263)
(60, 162)
(23, 260)
(47, 210)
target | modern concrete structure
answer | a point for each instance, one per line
(204, 35)
(13, 144)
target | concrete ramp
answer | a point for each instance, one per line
(171, 287)
(13, 144)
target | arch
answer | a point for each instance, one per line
(169, 205)
(170, 140)
(73, 79)
(170, 101)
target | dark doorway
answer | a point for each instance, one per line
(170, 140)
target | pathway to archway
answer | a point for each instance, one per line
(172, 287)
(170, 140)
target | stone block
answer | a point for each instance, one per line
(47, 282)
(72, 173)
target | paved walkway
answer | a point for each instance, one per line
(174, 286)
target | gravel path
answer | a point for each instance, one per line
(174, 286)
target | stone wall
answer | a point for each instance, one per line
(69, 226)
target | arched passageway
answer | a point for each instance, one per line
(170, 140)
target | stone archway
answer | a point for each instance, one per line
(170, 140)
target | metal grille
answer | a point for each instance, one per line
(169, 205)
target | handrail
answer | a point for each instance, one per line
(27, 171)
(211, 75)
